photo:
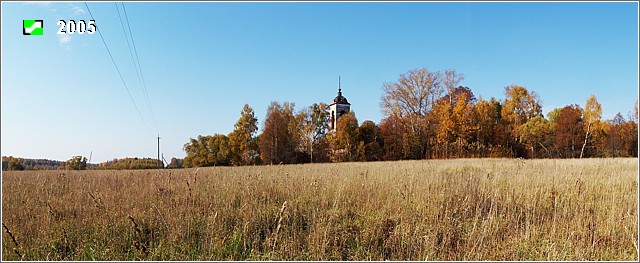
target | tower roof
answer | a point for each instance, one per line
(340, 99)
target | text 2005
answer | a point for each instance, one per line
(71, 27)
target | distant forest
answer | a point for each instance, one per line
(129, 164)
(11, 163)
(15, 163)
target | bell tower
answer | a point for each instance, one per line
(339, 106)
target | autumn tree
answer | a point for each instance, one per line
(391, 130)
(370, 143)
(444, 126)
(344, 141)
(274, 135)
(520, 105)
(452, 116)
(410, 99)
(490, 138)
(613, 142)
(632, 132)
(413, 95)
(591, 118)
(450, 80)
(630, 138)
(242, 140)
(569, 130)
(445, 122)
(629, 134)
(621, 137)
(207, 151)
(462, 114)
(278, 141)
(301, 153)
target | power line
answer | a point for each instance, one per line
(136, 66)
(129, 46)
(117, 69)
(140, 67)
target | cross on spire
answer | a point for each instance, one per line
(339, 87)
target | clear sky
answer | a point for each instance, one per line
(61, 95)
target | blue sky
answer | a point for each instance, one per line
(61, 95)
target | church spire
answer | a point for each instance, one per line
(340, 99)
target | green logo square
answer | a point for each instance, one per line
(32, 27)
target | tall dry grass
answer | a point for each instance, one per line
(468, 209)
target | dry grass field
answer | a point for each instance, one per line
(467, 209)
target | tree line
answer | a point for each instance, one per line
(10, 163)
(129, 164)
(427, 115)
(80, 163)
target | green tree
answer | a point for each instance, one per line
(242, 140)
(175, 163)
(301, 151)
(207, 151)
(537, 134)
(130, 163)
(15, 166)
(315, 124)
(77, 163)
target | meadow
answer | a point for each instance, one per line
(464, 209)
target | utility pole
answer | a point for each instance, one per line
(159, 162)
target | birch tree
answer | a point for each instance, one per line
(591, 118)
